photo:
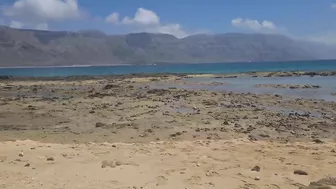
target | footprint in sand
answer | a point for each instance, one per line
(3, 158)
(115, 163)
(194, 180)
(161, 180)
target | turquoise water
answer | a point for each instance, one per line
(215, 68)
(248, 85)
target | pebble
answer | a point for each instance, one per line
(27, 165)
(21, 154)
(256, 168)
(50, 159)
(318, 141)
(226, 123)
(300, 172)
(257, 178)
(99, 124)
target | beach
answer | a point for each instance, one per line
(166, 131)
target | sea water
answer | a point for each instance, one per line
(215, 68)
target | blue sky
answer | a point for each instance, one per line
(310, 19)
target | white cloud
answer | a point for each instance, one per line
(333, 6)
(143, 17)
(16, 24)
(42, 26)
(255, 25)
(37, 13)
(148, 21)
(172, 29)
(43, 10)
(113, 18)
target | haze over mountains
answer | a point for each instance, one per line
(58, 48)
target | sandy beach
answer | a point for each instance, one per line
(135, 132)
(187, 164)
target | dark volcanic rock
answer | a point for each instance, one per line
(256, 168)
(110, 86)
(99, 125)
(324, 183)
(328, 181)
(300, 172)
(158, 92)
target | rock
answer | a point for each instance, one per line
(159, 92)
(331, 181)
(143, 135)
(256, 168)
(231, 76)
(264, 135)
(252, 138)
(318, 141)
(99, 124)
(91, 111)
(257, 178)
(314, 185)
(300, 172)
(110, 86)
(21, 154)
(210, 102)
(226, 123)
(111, 164)
(50, 159)
(149, 131)
(27, 165)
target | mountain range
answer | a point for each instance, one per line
(22, 47)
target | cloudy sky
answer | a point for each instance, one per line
(305, 19)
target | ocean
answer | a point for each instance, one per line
(202, 68)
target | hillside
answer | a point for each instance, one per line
(46, 48)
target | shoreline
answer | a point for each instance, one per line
(143, 75)
(167, 63)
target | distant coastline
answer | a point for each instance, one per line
(164, 63)
(66, 66)
(159, 68)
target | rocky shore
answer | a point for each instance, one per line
(278, 74)
(288, 86)
(129, 110)
(94, 116)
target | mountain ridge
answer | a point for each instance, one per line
(27, 47)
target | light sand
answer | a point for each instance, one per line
(205, 134)
(198, 164)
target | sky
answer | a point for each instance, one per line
(312, 20)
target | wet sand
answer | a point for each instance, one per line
(192, 138)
